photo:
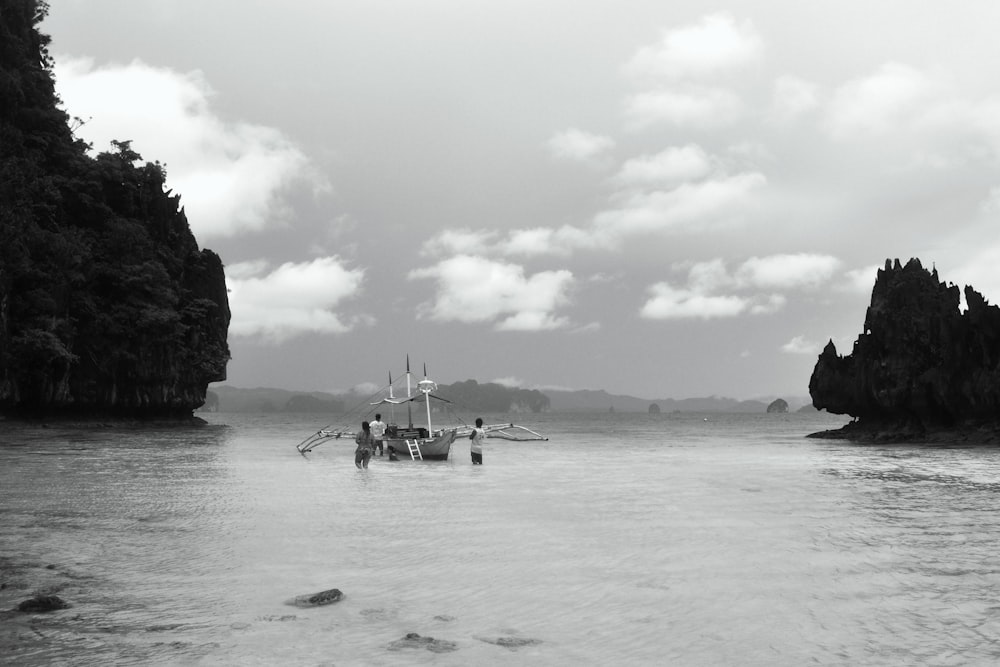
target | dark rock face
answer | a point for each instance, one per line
(921, 364)
(108, 308)
(778, 405)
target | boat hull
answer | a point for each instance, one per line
(432, 449)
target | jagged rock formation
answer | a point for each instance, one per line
(921, 366)
(778, 405)
(107, 305)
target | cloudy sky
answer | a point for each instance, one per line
(665, 199)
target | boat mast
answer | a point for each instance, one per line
(426, 387)
(392, 406)
(409, 412)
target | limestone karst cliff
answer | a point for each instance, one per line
(920, 365)
(107, 305)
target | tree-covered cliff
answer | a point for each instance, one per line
(107, 304)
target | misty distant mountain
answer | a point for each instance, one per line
(262, 399)
(589, 400)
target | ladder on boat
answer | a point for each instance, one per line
(414, 447)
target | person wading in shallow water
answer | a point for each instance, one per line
(476, 437)
(378, 432)
(365, 441)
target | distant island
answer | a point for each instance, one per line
(922, 370)
(108, 308)
(488, 398)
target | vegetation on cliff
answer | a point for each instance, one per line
(922, 366)
(107, 305)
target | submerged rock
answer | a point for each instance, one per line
(42, 603)
(921, 369)
(414, 641)
(317, 599)
(512, 643)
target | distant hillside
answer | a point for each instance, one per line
(589, 400)
(263, 399)
(490, 397)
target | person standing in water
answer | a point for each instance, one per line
(378, 432)
(364, 451)
(477, 436)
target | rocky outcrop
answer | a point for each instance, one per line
(921, 368)
(108, 307)
(778, 405)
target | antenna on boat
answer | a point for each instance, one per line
(409, 412)
(392, 406)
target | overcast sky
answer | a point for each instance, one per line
(665, 199)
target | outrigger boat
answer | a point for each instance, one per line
(418, 443)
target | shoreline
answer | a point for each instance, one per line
(973, 433)
(101, 421)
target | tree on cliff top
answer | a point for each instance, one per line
(106, 302)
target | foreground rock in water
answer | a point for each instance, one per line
(42, 603)
(318, 599)
(922, 369)
(413, 640)
(510, 642)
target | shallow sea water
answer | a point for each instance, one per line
(633, 539)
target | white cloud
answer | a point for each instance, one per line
(799, 345)
(292, 299)
(896, 96)
(718, 43)
(769, 304)
(574, 144)
(862, 280)
(991, 204)
(787, 271)
(667, 168)
(457, 241)
(475, 289)
(698, 106)
(793, 97)
(537, 241)
(980, 271)
(590, 327)
(710, 276)
(511, 382)
(687, 205)
(230, 175)
(712, 292)
(667, 302)
(365, 389)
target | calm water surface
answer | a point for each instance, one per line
(626, 539)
